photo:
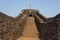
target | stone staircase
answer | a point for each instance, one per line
(30, 31)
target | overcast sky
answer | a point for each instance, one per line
(48, 8)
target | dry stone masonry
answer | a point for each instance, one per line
(29, 25)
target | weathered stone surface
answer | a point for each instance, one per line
(29, 25)
(30, 31)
